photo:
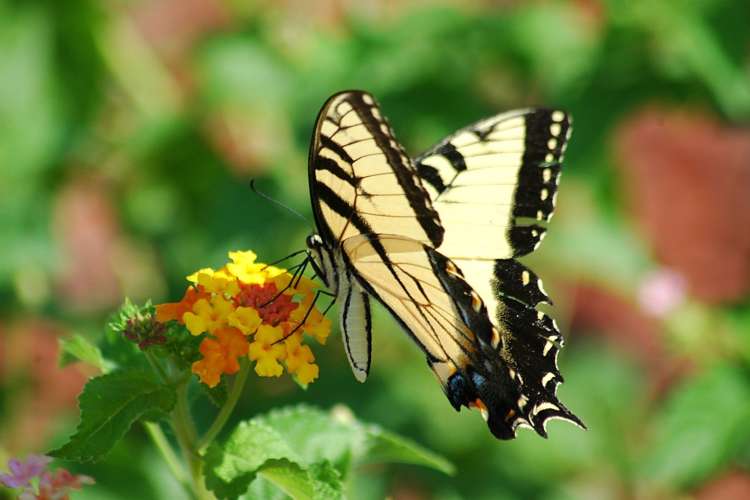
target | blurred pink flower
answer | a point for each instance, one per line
(620, 322)
(52, 486)
(57, 485)
(686, 179)
(173, 26)
(661, 292)
(29, 354)
(87, 229)
(22, 472)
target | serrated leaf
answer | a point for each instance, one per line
(387, 447)
(703, 426)
(318, 481)
(231, 468)
(261, 489)
(304, 450)
(78, 348)
(316, 434)
(109, 405)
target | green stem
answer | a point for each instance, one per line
(167, 453)
(156, 366)
(184, 430)
(227, 409)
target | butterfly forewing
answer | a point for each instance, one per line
(361, 179)
(494, 183)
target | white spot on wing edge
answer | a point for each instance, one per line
(522, 400)
(549, 344)
(541, 287)
(545, 405)
(558, 116)
(545, 380)
(547, 173)
(485, 414)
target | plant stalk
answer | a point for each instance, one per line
(184, 429)
(227, 409)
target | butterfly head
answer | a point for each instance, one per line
(321, 259)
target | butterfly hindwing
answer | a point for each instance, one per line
(356, 327)
(531, 343)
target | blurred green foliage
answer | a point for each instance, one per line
(129, 131)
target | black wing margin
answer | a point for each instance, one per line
(361, 179)
(531, 345)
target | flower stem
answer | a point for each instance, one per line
(184, 429)
(162, 444)
(226, 410)
(156, 366)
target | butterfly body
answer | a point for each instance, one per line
(434, 240)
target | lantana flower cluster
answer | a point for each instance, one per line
(251, 309)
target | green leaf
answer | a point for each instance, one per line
(78, 348)
(231, 468)
(386, 447)
(306, 452)
(319, 480)
(702, 427)
(109, 405)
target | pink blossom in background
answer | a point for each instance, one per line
(29, 354)
(22, 472)
(619, 321)
(87, 228)
(51, 485)
(661, 292)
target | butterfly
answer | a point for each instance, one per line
(435, 240)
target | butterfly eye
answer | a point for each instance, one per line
(313, 241)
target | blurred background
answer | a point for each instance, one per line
(129, 132)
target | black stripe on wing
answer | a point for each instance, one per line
(435, 325)
(368, 115)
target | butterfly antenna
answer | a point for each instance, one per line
(307, 315)
(298, 270)
(277, 202)
(290, 256)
